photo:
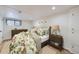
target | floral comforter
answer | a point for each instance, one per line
(23, 43)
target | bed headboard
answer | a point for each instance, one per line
(16, 31)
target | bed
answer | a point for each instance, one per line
(19, 36)
(16, 31)
(39, 35)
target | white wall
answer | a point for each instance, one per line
(1, 29)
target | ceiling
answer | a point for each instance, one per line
(32, 12)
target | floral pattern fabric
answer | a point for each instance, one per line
(22, 43)
(26, 42)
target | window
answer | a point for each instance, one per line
(10, 22)
(13, 22)
(17, 22)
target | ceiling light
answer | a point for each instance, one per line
(53, 8)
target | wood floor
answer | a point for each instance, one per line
(4, 47)
(51, 50)
(45, 50)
